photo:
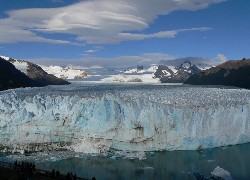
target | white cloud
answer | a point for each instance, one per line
(90, 51)
(221, 58)
(10, 33)
(95, 21)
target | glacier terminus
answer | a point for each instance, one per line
(94, 118)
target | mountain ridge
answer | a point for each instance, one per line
(178, 74)
(10, 77)
(27, 75)
(231, 73)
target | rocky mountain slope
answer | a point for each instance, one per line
(10, 77)
(18, 73)
(35, 72)
(231, 73)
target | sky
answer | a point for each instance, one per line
(123, 32)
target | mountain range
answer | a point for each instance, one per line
(231, 73)
(190, 70)
(178, 74)
(170, 71)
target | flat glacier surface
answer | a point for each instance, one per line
(98, 118)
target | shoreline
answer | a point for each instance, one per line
(25, 170)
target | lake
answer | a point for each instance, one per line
(157, 165)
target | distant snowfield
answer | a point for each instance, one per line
(95, 118)
(65, 73)
(129, 75)
(146, 78)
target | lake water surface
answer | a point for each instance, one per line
(158, 165)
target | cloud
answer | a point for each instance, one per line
(221, 58)
(10, 33)
(95, 21)
(90, 51)
(132, 36)
(121, 61)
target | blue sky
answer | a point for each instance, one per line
(123, 32)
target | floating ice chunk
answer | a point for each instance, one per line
(222, 173)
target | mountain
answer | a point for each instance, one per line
(68, 72)
(132, 74)
(178, 73)
(201, 63)
(18, 73)
(171, 71)
(231, 73)
(35, 72)
(11, 78)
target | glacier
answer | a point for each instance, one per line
(97, 118)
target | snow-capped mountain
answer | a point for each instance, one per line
(178, 74)
(10, 77)
(66, 72)
(35, 72)
(172, 71)
(59, 72)
(199, 62)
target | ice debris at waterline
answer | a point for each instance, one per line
(100, 118)
(217, 174)
(221, 173)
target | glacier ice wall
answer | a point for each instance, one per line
(99, 118)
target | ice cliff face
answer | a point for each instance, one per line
(94, 118)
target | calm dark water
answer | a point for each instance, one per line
(160, 165)
(177, 165)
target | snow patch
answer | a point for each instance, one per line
(166, 73)
(173, 69)
(65, 73)
(145, 78)
(21, 66)
(5, 57)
